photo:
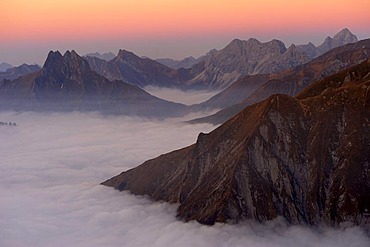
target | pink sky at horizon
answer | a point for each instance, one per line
(167, 28)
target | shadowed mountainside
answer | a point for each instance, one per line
(304, 158)
(135, 70)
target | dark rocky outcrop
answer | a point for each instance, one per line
(304, 158)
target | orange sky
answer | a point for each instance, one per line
(104, 25)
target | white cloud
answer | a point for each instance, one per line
(51, 167)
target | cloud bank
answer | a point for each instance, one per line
(51, 167)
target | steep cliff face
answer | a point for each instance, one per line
(306, 159)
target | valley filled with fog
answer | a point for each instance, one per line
(51, 167)
(189, 97)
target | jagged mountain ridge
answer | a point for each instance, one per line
(185, 63)
(66, 83)
(216, 69)
(15, 72)
(305, 158)
(290, 81)
(105, 56)
(135, 70)
(251, 57)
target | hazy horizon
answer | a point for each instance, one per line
(167, 29)
(152, 49)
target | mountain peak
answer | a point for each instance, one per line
(342, 38)
(122, 53)
(4, 66)
(345, 36)
(253, 41)
(52, 57)
(72, 57)
(70, 66)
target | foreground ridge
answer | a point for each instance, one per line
(304, 158)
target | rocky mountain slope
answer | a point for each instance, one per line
(236, 93)
(305, 159)
(67, 83)
(290, 81)
(185, 63)
(15, 72)
(135, 70)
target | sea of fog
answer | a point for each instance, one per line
(50, 169)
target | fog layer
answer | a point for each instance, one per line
(51, 167)
(179, 96)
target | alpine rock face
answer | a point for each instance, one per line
(291, 81)
(304, 158)
(135, 70)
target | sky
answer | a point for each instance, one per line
(51, 167)
(167, 28)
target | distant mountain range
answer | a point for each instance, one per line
(305, 159)
(5, 66)
(252, 89)
(223, 67)
(185, 63)
(105, 56)
(239, 59)
(66, 83)
(216, 69)
(138, 71)
(15, 72)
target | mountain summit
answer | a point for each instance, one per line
(342, 38)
